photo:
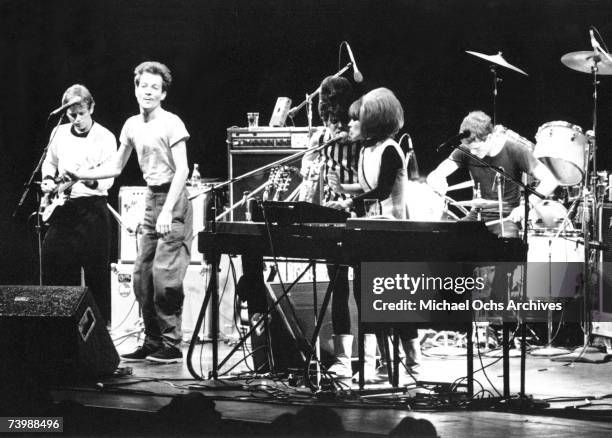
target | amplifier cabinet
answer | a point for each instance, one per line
(267, 138)
(249, 149)
(131, 209)
(125, 310)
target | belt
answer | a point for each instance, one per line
(163, 188)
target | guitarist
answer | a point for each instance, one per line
(78, 234)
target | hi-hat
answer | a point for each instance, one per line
(585, 61)
(480, 203)
(497, 59)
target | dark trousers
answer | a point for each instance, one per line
(340, 315)
(78, 237)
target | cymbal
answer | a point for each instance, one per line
(480, 203)
(584, 62)
(497, 59)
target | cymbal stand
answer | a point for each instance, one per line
(589, 190)
(496, 80)
(588, 198)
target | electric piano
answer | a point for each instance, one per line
(364, 240)
(361, 240)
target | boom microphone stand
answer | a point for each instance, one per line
(27, 187)
(308, 100)
(527, 190)
(212, 292)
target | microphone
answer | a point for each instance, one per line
(459, 136)
(73, 101)
(357, 76)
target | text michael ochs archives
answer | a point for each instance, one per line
(459, 292)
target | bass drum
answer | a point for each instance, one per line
(562, 147)
(423, 203)
(555, 264)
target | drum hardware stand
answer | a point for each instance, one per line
(212, 292)
(499, 201)
(496, 81)
(588, 199)
(496, 60)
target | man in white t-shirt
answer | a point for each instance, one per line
(78, 234)
(159, 138)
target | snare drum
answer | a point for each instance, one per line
(549, 216)
(423, 203)
(562, 147)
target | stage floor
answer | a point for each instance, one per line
(567, 387)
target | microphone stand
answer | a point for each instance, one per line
(308, 100)
(27, 186)
(527, 190)
(212, 292)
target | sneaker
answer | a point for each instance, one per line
(166, 355)
(140, 353)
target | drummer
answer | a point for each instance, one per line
(502, 151)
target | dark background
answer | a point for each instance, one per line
(229, 57)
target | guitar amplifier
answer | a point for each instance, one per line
(125, 309)
(131, 209)
(267, 138)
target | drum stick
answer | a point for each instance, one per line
(496, 221)
(463, 185)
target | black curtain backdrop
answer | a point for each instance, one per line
(229, 57)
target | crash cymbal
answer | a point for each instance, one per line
(585, 61)
(480, 203)
(497, 59)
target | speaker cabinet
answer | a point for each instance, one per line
(132, 209)
(125, 309)
(53, 333)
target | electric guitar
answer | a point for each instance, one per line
(54, 199)
(279, 180)
(310, 184)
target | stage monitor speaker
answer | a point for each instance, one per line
(285, 325)
(54, 334)
(243, 161)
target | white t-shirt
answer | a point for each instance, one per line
(153, 141)
(70, 151)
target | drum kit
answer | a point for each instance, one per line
(561, 230)
(565, 149)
